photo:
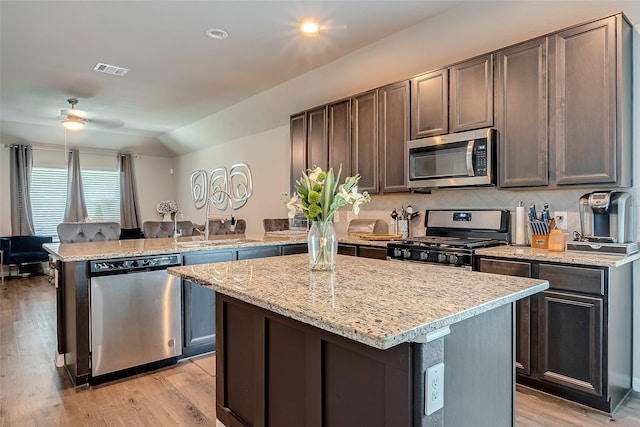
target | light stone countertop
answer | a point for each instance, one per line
(374, 302)
(68, 252)
(567, 257)
(86, 251)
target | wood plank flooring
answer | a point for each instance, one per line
(33, 392)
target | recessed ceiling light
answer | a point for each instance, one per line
(309, 27)
(216, 33)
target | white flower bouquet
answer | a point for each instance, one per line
(166, 207)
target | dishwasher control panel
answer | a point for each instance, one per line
(132, 264)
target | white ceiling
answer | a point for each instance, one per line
(48, 50)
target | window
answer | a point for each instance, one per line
(49, 195)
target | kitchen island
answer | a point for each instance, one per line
(353, 347)
(75, 263)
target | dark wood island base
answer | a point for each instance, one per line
(276, 371)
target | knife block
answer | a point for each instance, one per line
(541, 241)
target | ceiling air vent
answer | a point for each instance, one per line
(110, 69)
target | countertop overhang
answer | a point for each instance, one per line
(87, 251)
(374, 302)
(567, 257)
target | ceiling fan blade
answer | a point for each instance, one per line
(106, 123)
(73, 112)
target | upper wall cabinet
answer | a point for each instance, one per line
(522, 114)
(340, 137)
(563, 108)
(393, 133)
(471, 97)
(321, 137)
(298, 134)
(430, 104)
(453, 99)
(591, 101)
(364, 140)
(317, 145)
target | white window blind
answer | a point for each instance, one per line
(49, 194)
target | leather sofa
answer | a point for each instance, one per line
(74, 232)
(17, 250)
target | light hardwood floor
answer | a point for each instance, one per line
(33, 392)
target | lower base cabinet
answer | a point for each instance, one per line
(374, 252)
(574, 340)
(199, 306)
(199, 302)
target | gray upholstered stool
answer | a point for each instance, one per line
(74, 232)
(155, 229)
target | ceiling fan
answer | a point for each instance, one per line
(74, 119)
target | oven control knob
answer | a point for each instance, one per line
(424, 256)
(397, 252)
(407, 253)
(453, 259)
(442, 257)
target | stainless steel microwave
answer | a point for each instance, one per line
(462, 159)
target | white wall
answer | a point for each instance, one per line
(253, 130)
(267, 154)
(153, 175)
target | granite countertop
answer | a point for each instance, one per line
(375, 302)
(68, 252)
(567, 257)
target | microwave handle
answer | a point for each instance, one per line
(470, 170)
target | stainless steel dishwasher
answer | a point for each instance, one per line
(135, 312)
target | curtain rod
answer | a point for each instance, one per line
(56, 149)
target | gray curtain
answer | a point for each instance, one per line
(76, 209)
(21, 163)
(129, 209)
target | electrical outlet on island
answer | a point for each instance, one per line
(434, 388)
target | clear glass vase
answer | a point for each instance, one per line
(323, 246)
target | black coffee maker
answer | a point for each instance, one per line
(605, 217)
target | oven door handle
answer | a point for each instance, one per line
(469, 157)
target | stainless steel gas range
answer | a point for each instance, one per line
(452, 237)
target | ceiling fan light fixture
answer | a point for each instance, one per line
(73, 123)
(216, 34)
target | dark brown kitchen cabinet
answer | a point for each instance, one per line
(570, 341)
(317, 142)
(199, 303)
(298, 135)
(393, 132)
(580, 330)
(591, 100)
(430, 104)
(522, 114)
(471, 94)
(364, 140)
(258, 252)
(340, 137)
(563, 108)
(523, 308)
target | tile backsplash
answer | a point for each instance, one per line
(479, 198)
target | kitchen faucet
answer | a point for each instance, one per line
(210, 201)
(176, 234)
